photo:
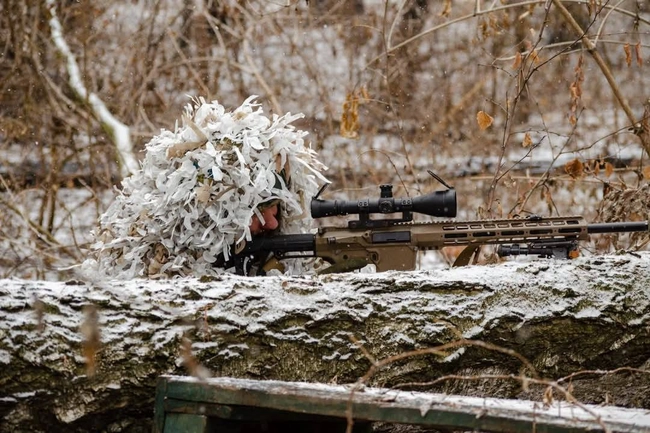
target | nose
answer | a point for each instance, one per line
(270, 218)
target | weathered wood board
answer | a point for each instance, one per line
(190, 405)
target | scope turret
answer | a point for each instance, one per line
(437, 204)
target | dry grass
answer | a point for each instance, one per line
(390, 89)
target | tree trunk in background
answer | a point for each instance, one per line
(587, 314)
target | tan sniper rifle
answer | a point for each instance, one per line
(393, 244)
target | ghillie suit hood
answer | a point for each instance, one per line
(198, 190)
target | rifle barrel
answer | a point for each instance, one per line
(618, 227)
(282, 243)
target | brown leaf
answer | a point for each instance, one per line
(484, 120)
(364, 95)
(576, 85)
(350, 117)
(494, 24)
(646, 172)
(535, 56)
(517, 62)
(180, 149)
(547, 398)
(574, 168)
(628, 54)
(573, 119)
(575, 89)
(527, 140)
(609, 169)
(637, 49)
(595, 167)
(574, 254)
(446, 9)
(506, 23)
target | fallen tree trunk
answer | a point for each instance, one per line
(85, 357)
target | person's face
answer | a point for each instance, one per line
(270, 221)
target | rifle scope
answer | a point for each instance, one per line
(437, 203)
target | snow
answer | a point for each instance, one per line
(5, 357)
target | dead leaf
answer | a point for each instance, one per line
(494, 24)
(506, 24)
(609, 169)
(517, 62)
(194, 127)
(535, 56)
(574, 168)
(180, 149)
(639, 59)
(484, 120)
(160, 257)
(573, 119)
(547, 398)
(350, 117)
(575, 89)
(628, 54)
(595, 167)
(484, 30)
(646, 172)
(527, 140)
(446, 9)
(364, 95)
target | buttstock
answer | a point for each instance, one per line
(393, 258)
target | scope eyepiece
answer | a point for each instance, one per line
(437, 204)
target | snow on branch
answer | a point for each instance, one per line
(119, 132)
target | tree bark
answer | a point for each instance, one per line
(80, 357)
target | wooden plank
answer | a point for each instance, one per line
(435, 410)
(186, 423)
(159, 408)
(239, 413)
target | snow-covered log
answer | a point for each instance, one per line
(85, 357)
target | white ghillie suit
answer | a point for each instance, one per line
(198, 189)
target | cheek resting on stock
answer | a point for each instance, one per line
(270, 221)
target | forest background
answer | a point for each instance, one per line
(525, 107)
